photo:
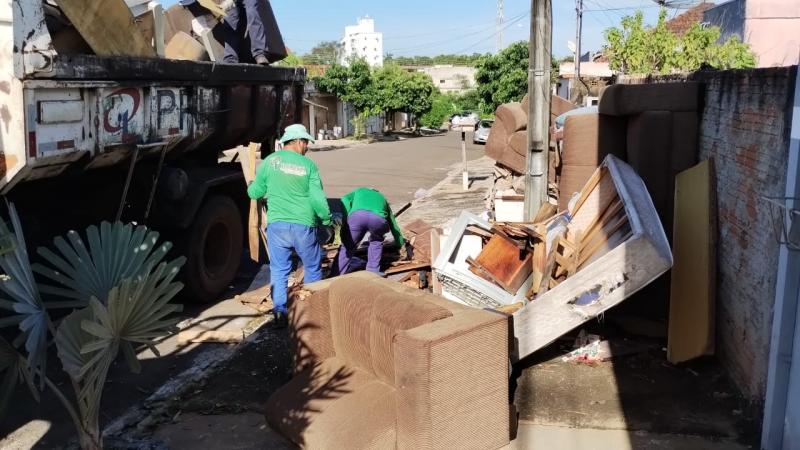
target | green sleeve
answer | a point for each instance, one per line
(347, 202)
(258, 188)
(398, 235)
(318, 199)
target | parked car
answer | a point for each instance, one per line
(482, 130)
(464, 119)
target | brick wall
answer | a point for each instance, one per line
(745, 129)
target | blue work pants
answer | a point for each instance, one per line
(282, 238)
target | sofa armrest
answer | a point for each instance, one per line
(451, 377)
(310, 325)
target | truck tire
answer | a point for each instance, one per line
(213, 249)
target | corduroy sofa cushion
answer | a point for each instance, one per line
(334, 402)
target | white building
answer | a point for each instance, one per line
(451, 79)
(362, 41)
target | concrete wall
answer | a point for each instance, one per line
(745, 129)
(772, 28)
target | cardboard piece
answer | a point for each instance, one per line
(108, 27)
(186, 48)
(693, 282)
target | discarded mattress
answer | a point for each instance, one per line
(627, 255)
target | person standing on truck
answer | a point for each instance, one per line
(296, 207)
(367, 211)
(244, 15)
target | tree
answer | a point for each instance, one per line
(291, 60)
(400, 90)
(323, 53)
(352, 84)
(503, 78)
(636, 49)
(456, 60)
(442, 107)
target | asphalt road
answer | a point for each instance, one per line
(398, 168)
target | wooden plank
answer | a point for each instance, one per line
(108, 27)
(502, 258)
(436, 246)
(595, 246)
(183, 47)
(692, 288)
(474, 229)
(256, 218)
(588, 188)
(480, 271)
(546, 211)
(407, 267)
(596, 202)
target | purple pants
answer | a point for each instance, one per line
(359, 222)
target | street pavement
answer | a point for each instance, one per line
(397, 168)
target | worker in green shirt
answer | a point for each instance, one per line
(296, 206)
(366, 210)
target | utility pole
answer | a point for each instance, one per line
(499, 27)
(539, 68)
(578, 33)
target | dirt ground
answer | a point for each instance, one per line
(227, 410)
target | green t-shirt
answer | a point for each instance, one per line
(366, 199)
(293, 189)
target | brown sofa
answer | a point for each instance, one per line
(381, 365)
(654, 127)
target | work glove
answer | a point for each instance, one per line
(407, 252)
(325, 234)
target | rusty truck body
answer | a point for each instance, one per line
(85, 138)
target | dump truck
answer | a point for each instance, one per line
(87, 137)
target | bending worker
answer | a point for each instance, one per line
(367, 210)
(296, 206)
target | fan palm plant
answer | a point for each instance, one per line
(120, 291)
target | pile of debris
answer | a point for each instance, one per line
(143, 28)
(561, 270)
(508, 145)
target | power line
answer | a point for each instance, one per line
(455, 39)
(514, 22)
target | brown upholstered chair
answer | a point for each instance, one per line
(381, 365)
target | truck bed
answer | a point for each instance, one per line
(118, 69)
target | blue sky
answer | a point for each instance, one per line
(431, 27)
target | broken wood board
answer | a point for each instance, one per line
(407, 267)
(621, 271)
(501, 257)
(693, 281)
(436, 245)
(108, 27)
(184, 47)
(256, 218)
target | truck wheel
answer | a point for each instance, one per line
(213, 249)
